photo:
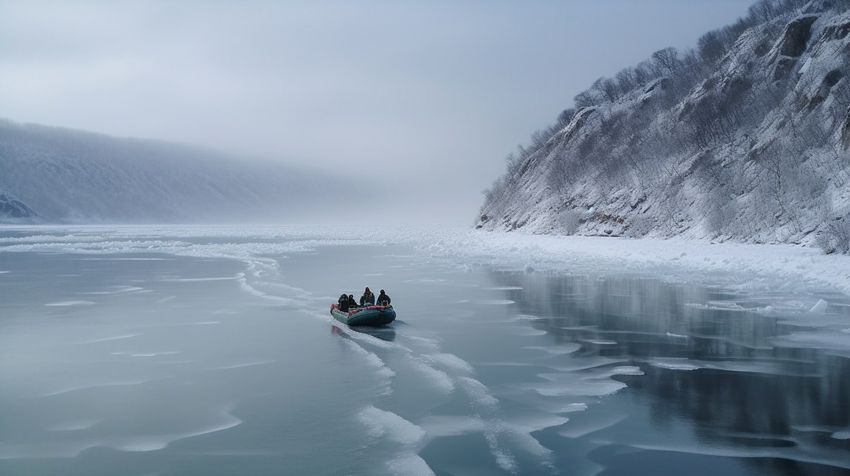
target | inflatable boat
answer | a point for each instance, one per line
(364, 316)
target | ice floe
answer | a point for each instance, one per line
(70, 303)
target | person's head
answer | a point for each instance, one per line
(367, 291)
(350, 296)
(382, 291)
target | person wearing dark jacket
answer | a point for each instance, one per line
(351, 302)
(367, 299)
(383, 299)
(342, 303)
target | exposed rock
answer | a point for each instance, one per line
(12, 210)
(796, 36)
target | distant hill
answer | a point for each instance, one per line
(50, 174)
(745, 137)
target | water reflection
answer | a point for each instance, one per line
(707, 358)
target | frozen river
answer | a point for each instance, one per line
(210, 351)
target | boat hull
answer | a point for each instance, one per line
(367, 316)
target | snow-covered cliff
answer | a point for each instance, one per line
(746, 137)
(59, 175)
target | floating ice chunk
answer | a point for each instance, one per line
(580, 388)
(573, 407)
(495, 302)
(673, 364)
(625, 370)
(819, 307)
(409, 464)
(836, 341)
(718, 306)
(385, 424)
(600, 341)
(841, 435)
(536, 422)
(590, 425)
(69, 303)
(525, 317)
(557, 349)
(532, 332)
(677, 336)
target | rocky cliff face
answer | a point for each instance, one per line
(744, 138)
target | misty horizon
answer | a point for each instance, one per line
(426, 99)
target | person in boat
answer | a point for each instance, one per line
(383, 299)
(342, 303)
(367, 299)
(352, 304)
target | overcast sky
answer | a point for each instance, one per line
(430, 94)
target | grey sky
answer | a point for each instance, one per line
(428, 94)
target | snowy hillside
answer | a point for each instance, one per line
(745, 138)
(59, 175)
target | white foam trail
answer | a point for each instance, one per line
(244, 364)
(158, 442)
(243, 283)
(371, 358)
(503, 457)
(147, 354)
(78, 425)
(443, 426)
(439, 379)
(478, 393)
(451, 362)
(110, 338)
(385, 424)
(406, 436)
(70, 303)
(119, 383)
